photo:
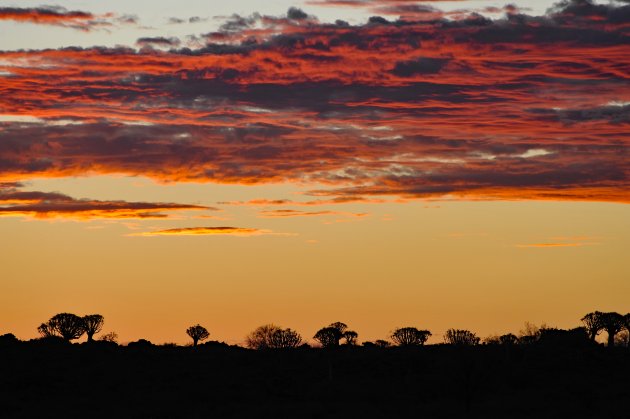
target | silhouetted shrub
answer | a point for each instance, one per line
(577, 337)
(530, 333)
(459, 337)
(379, 343)
(53, 341)
(505, 340)
(140, 344)
(8, 339)
(216, 344)
(261, 337)
(109, 337)
(285, 338)
(508, 339)
(270, 336)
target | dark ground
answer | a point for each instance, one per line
(103, 380)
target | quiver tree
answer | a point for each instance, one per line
(92, 323)
(612, 323)
(593, 324)
(330, 336)
(67, 325)
(410, 336)
(46, 331)
(460, 337)
(197, 333)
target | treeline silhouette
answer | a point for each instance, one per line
(538, 372)
(68, 327)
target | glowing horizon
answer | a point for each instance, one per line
(382, 165)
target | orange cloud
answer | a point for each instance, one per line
(205, 231)
(552, 245)
(335, 200)
(285, 213)
(46, 205)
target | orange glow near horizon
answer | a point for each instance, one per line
(463, 168)
(456, 264)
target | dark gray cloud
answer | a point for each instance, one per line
(511, 108)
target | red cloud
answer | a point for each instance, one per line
(525, 107)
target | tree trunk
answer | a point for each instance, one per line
(611, 340)
(195, 342)
(90, 335)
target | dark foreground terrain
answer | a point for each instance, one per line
(103, 380)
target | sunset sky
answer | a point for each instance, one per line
(385, 163)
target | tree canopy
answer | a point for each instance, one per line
(197, 333)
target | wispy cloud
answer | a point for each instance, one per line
(60, 16)
(205, 231)
(286, 213)
(47, 205)
(572, 241)
(552, 245)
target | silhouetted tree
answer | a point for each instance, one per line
(410, 336)
(197, 333)
(46, 331)
(351, 337)
(92, 324)
(460, 337)
(330, 336)
(593, 324)
(341, 327)
(261, 338)
(285, 338)
(67, 325)
(612, 323)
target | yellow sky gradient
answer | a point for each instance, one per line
(484, 266)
